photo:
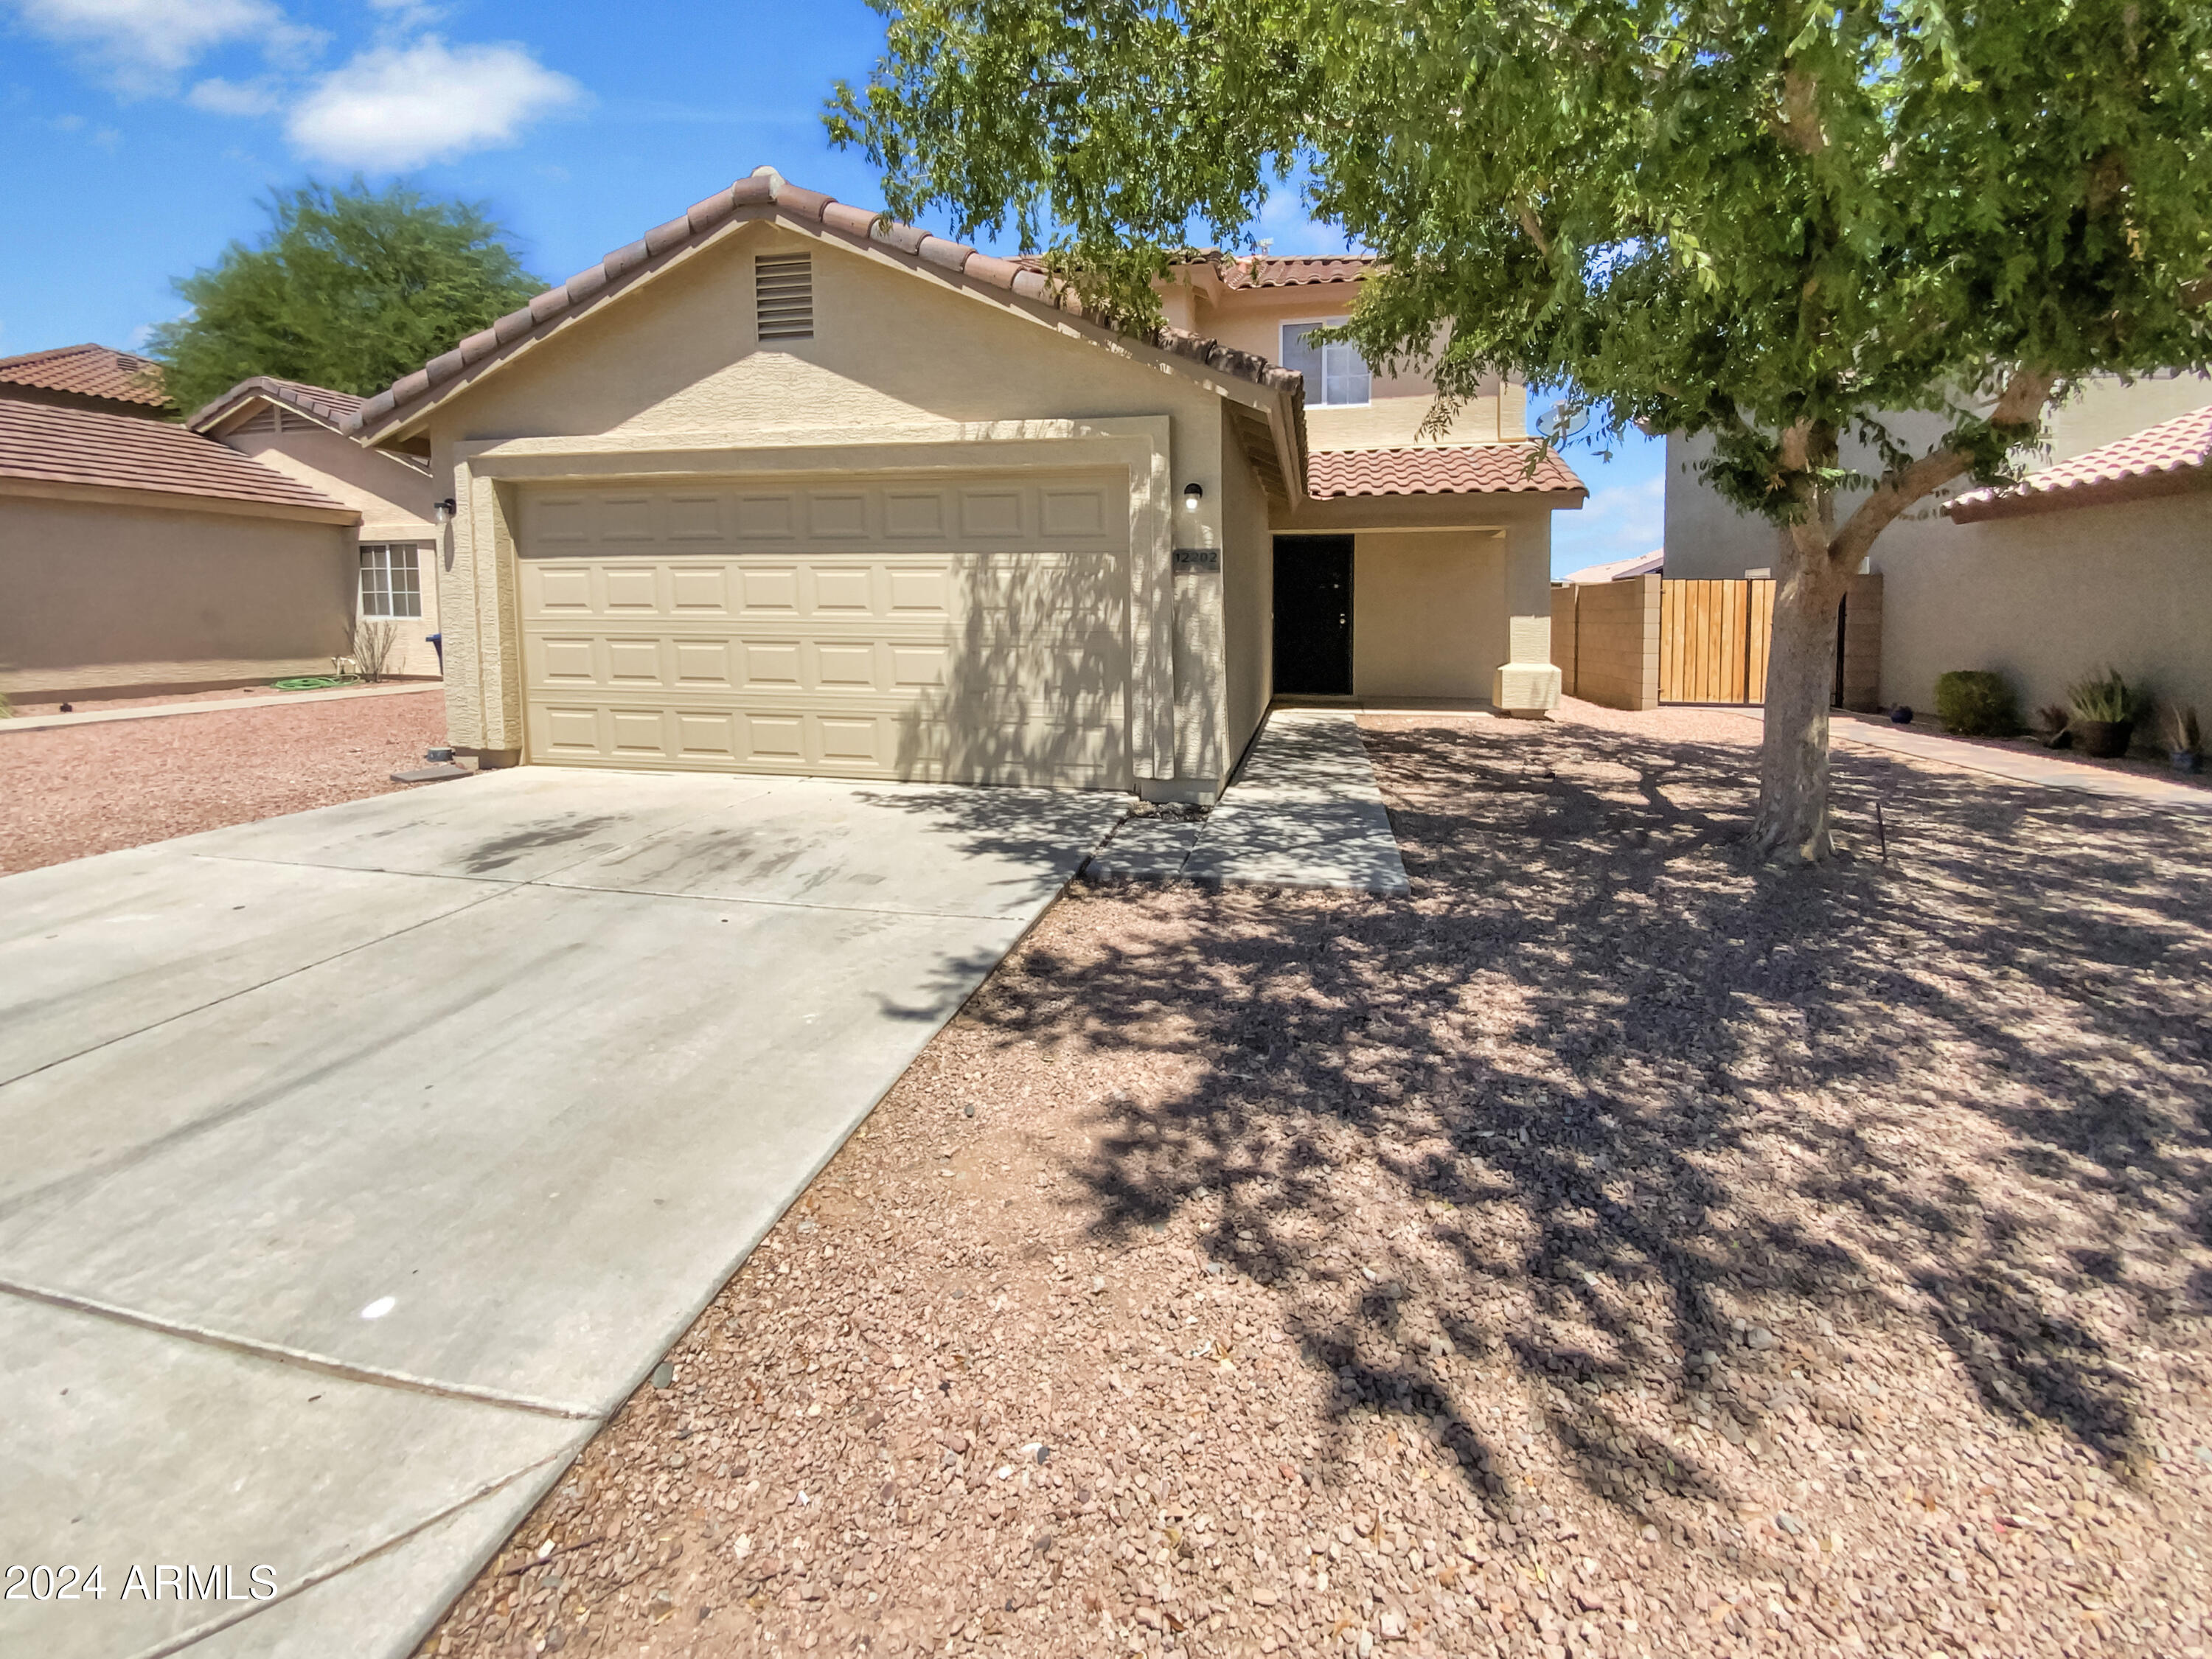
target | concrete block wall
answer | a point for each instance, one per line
(1610, 652)
(1863, 644)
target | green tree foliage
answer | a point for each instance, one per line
(1779, 224)
(349, 288)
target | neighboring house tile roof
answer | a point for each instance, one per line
(1440, 470)
(767, 194)
(88, 371)
(40, 444)
(2169, 459)
(1643, 564)
(1295, 271)
(316, 402)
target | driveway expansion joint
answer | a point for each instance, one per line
(330, 1569)
(299, 1358)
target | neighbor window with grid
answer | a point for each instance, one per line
(1335, 372)
(391, 580)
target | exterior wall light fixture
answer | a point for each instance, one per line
(1192, 495)
(443, 511)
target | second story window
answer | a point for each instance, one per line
(1335, 372)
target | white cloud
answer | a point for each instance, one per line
(395, 107)
(221, 97)
(408, 15)
(143, 45)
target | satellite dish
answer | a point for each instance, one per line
(1564, 420)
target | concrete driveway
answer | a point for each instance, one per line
(360, 1162)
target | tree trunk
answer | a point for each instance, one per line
(1793, 756)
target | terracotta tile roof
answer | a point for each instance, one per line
(2169, 459)
(1295, 271)
(1440, 470)
(765, 194)
(316, 402)
(45, 444)
(89, 371)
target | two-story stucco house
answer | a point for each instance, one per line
(787, 487)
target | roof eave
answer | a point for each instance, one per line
(1982, 506)
(387, 420)
(240, 399)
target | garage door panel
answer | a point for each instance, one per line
(564, 661)
(847, 665)
(836, 516)
(769, 665)
(696, 517)
(769, 591)
(631, 590)
(638, 733)
(699, 590)
(842, 590)
(709, 735)
(973, 628)
(703, 664)
(634, 661)
(569, 731)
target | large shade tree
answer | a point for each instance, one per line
(1779, 224)
(348, 288)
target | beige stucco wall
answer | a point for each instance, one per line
(899, 363)
(1428, 612)
(1252, 319)
(106, 599)
(393, 497)
(2048, 599)
(1247, 593)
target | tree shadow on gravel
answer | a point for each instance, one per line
(1631, 1087)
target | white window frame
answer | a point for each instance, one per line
(1317, 387)
(380, 560)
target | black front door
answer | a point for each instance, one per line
(1313, 616)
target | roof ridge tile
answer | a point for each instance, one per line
(767, 187)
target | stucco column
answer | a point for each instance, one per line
(1527, 683)
(484, 578)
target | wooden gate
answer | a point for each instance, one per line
(1714, 637)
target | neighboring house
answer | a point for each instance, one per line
(787, 487)
(1643, 564)
(299, 430)
(93, 377)
(137, 557)
(2043, 584)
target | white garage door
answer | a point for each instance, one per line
(972, 629)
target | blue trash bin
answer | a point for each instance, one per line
(437, 644)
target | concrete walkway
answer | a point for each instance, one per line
(2044, 768)
(155, 711)
(360, 1162)
(1303, 811)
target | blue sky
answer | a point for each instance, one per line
(141, 136)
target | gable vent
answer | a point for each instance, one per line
(783, 295)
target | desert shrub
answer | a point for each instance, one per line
(1975, 704)
(375, 648)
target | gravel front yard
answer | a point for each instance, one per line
(1610, 1251)
(73, 791)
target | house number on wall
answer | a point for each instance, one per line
(1190, 559)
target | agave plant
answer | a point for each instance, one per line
(2106, 699)
(2182, 734)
